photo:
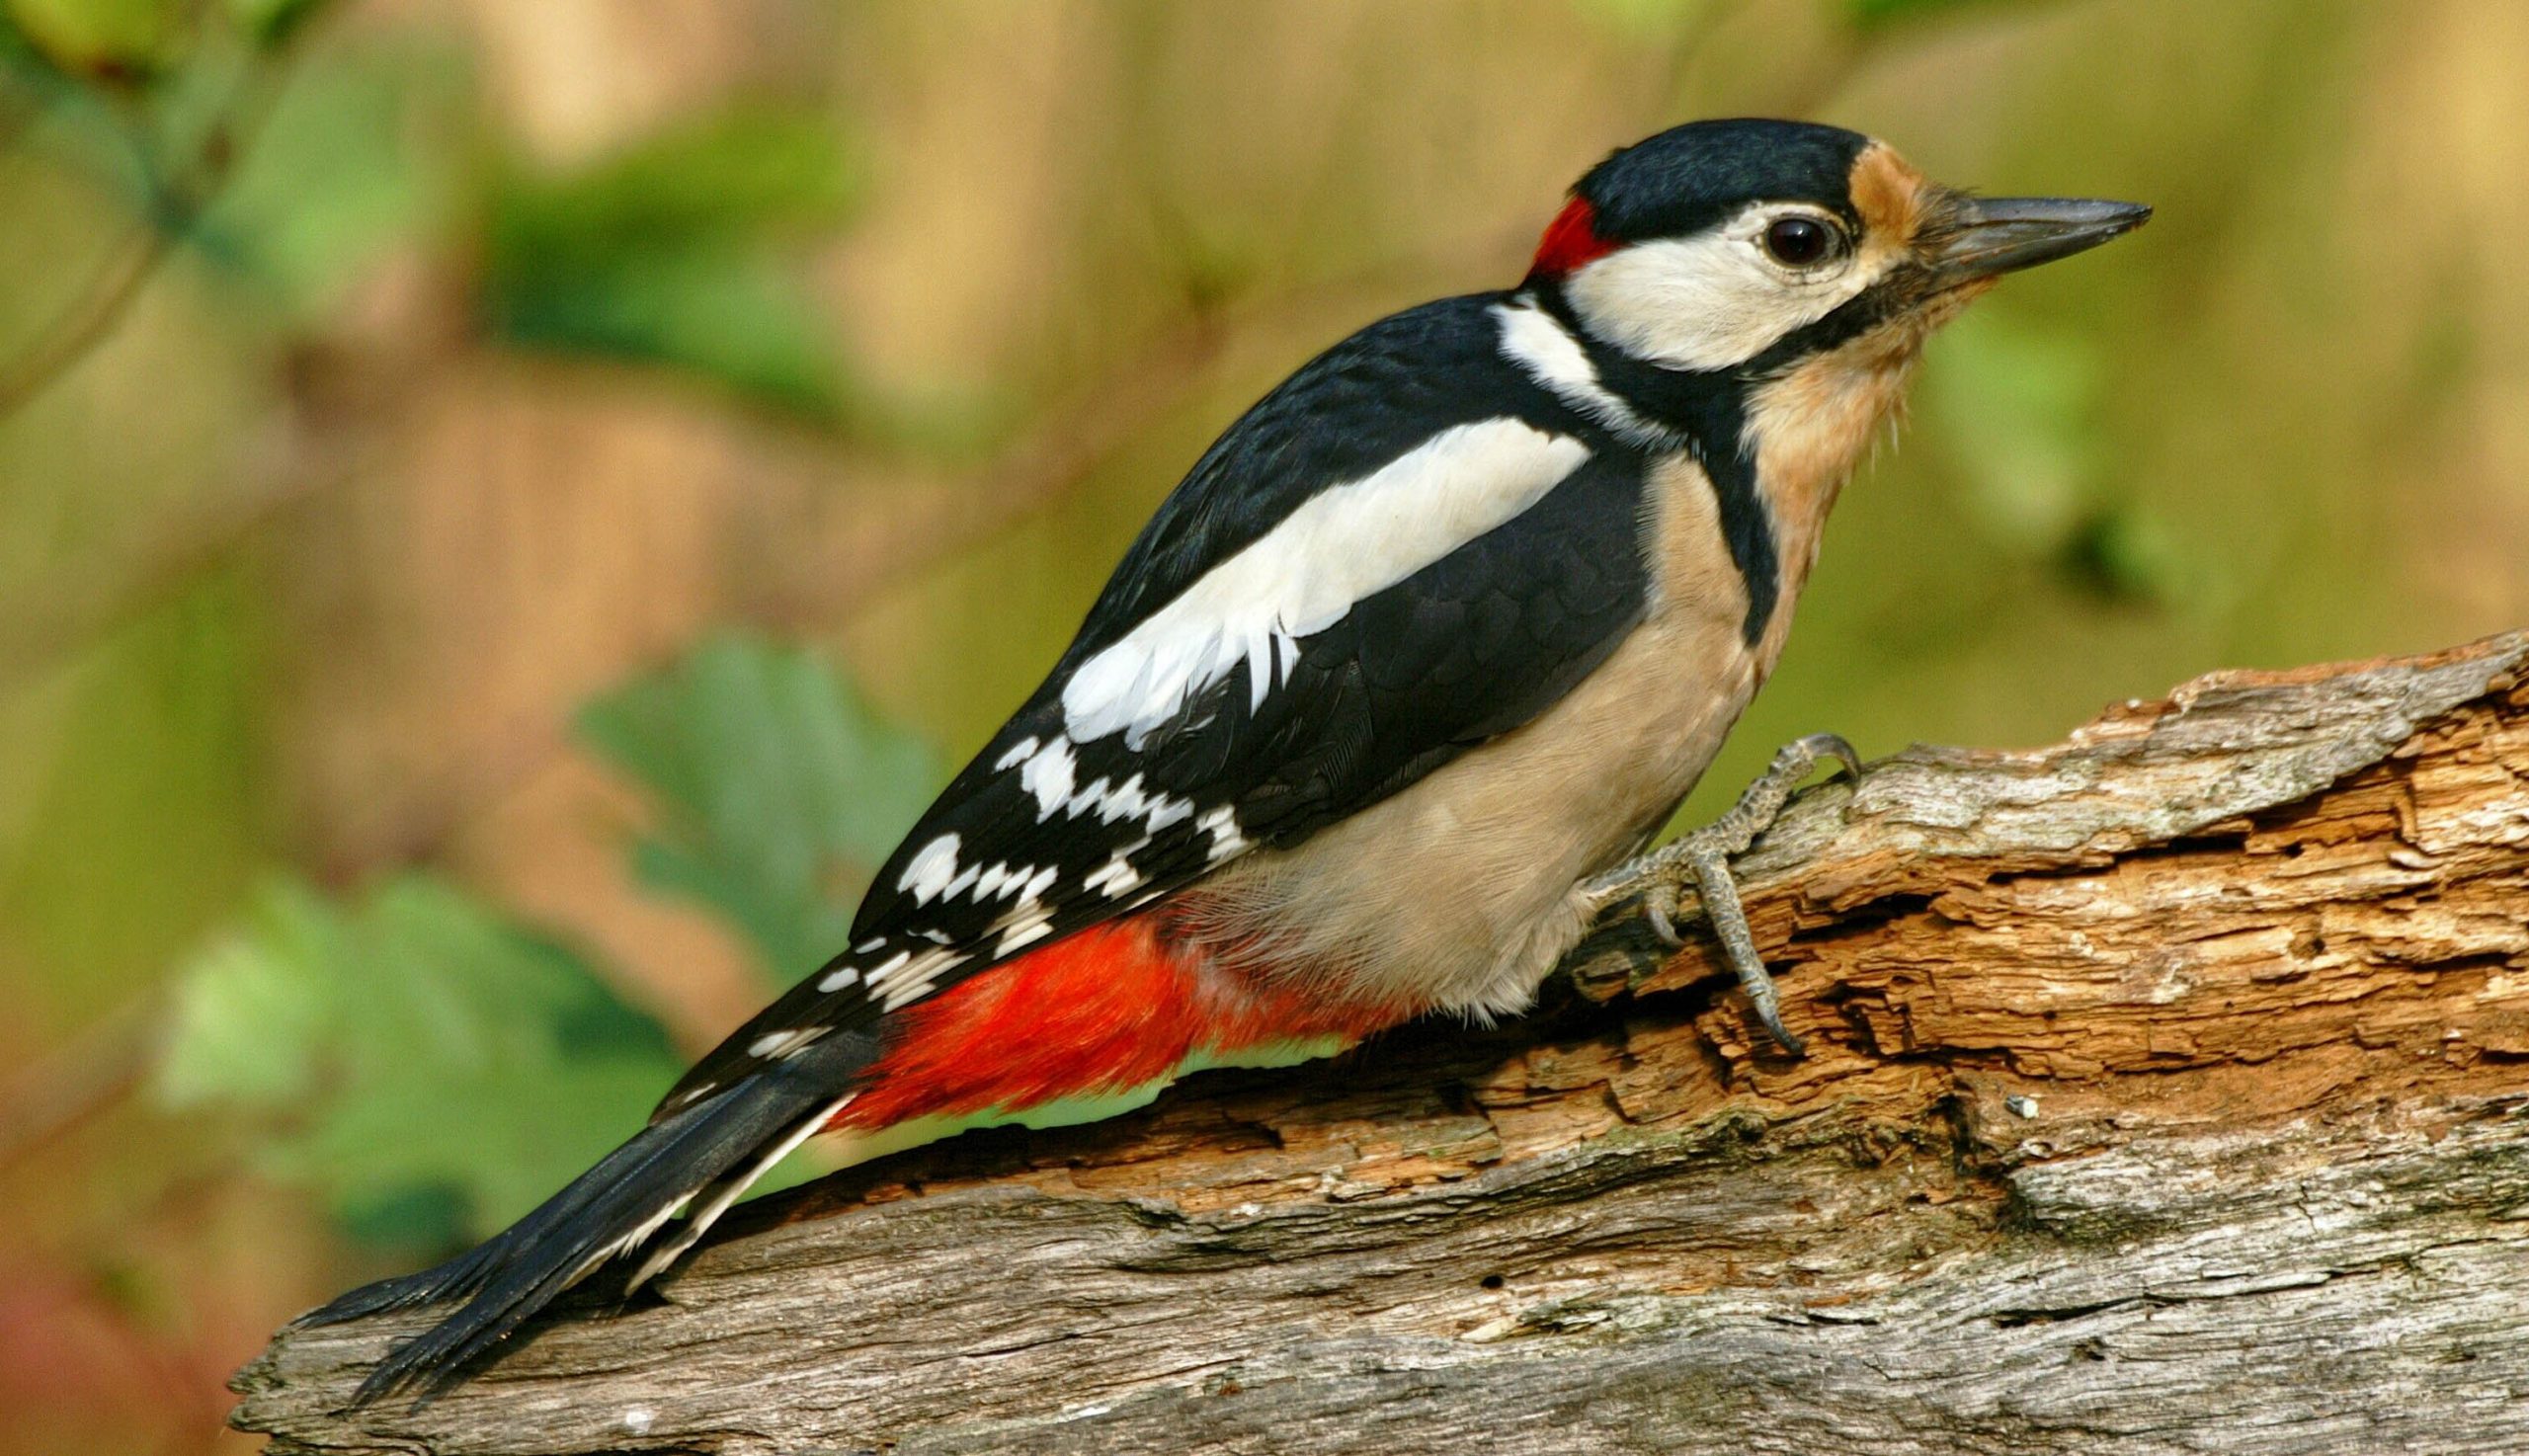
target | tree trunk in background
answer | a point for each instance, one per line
(2165, 1094)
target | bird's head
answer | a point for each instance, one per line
(1747, 246)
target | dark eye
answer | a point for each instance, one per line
(1800, 242)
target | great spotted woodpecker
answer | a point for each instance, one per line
(1368, 721)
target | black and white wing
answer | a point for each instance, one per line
(1405, 549)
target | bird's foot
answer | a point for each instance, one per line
(1702, 858)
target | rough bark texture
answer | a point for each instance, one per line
(2165, 1094)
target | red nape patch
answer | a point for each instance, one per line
(1570, 241)
(1111, 1007)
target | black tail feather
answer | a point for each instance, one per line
(613, 1208)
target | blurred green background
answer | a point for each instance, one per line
(506, 507)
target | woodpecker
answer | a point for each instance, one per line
(1371, 716)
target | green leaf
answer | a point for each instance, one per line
(735, 320)
(250, 1013)
(779, 789)
(736, 176)
(411, 1053)
(343, 172)
(672, 253)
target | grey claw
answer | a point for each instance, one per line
(1655, 909)
(1771, 1019)
(1835, 745)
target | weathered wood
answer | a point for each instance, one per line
(2165, 1093)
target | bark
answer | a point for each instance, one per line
(2165, 1094)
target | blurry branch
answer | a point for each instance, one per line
(87, 320)
(177, 197)
(76, 605)
(2164, 1094)
(92, 1071)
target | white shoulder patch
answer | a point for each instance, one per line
(1538, 343)
(1343, 544)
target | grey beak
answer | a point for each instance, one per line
(1998, 235)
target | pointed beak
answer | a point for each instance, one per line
(1990, 236)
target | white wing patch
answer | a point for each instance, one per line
(1129, 800)
(1343, 544)
(908, 979)
(1048, 774)
(782, 1043)
(1227, 841)
(932, 871)
(1024, 930)
(1026, 882)
(1117, 879)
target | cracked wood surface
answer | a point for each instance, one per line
(2165, 1093)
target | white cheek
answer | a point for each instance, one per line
(1705, 303)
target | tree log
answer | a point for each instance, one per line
(2165, 1094)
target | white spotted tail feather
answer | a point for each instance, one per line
(709, 1151)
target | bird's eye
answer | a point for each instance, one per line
(1800, 242)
